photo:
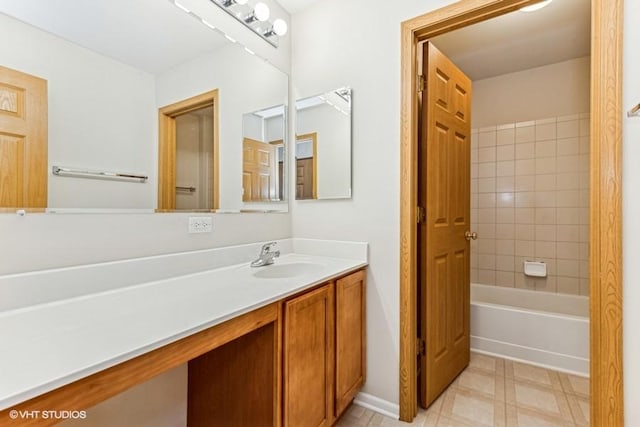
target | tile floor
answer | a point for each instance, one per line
(497, 392)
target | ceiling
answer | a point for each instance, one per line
(151, 35)
(519, 40)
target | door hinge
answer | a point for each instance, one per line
(421, 347)
(422, 83)
(420, 214)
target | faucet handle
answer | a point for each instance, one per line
(266, 248)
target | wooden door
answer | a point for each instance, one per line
(309, 359)
(259, 174)
(304, 179)
(23, 140)
(350, 338)
(444, 190)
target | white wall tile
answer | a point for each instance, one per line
(506, 136)
(533, 203)
(525, 134)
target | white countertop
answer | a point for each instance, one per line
(45, 346)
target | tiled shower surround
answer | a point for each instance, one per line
(530, 201)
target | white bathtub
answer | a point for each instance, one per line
(541, 328)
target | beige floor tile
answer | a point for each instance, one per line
(494, 392)
(481, 382)
(465, 406)
(580, 409)
(522, 417)
(429, 417)
(573, 384)
(532, 375)
(448, 422)
(355, 416)
(538, 398)
(491, 365)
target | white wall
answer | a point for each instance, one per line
(357, 43)
(333, 148)
(101, 116)
(630, 215)
(274, 128)
(252, 127)
(41, 241)
(552, 90)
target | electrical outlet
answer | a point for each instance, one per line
(200, 224)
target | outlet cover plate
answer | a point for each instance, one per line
(200, 224)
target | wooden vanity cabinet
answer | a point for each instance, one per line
(350, 338)
(323, 351)
(308, 359)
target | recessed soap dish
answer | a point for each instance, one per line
(535, 269)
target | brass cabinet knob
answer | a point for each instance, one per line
(469, 235)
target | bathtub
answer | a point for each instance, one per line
(540, 328)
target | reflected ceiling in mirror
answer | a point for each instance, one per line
(323, 146)
(110, 66)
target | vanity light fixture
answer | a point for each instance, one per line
(255, 18)
(260, 13)
(536, 6)
(279, 28)
(227, 3)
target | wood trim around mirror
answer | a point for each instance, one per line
(167, 147)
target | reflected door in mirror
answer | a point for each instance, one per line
(304, 179)
(259, 172)
(194, 160)
(23, 140)
(263, 155)
(188, 154)
(306, 166)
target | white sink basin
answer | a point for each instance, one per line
(284, 271)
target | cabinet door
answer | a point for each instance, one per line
(309, 358)
(350, 338)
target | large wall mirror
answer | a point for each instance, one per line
(141, 92)
(323, 146)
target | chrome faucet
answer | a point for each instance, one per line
(266, 255)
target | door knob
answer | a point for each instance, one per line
(471, 235)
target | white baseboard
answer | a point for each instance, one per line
(533, 356)
(378, 405)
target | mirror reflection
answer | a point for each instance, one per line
(263, 155)
(323, 146)
(195, 160)
(113, 83)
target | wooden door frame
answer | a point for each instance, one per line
(167, 147)
(313, 136)
(606, 387)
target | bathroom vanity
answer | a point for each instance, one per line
(264, 347)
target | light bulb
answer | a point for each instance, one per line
(261, 12)
(280, 27)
